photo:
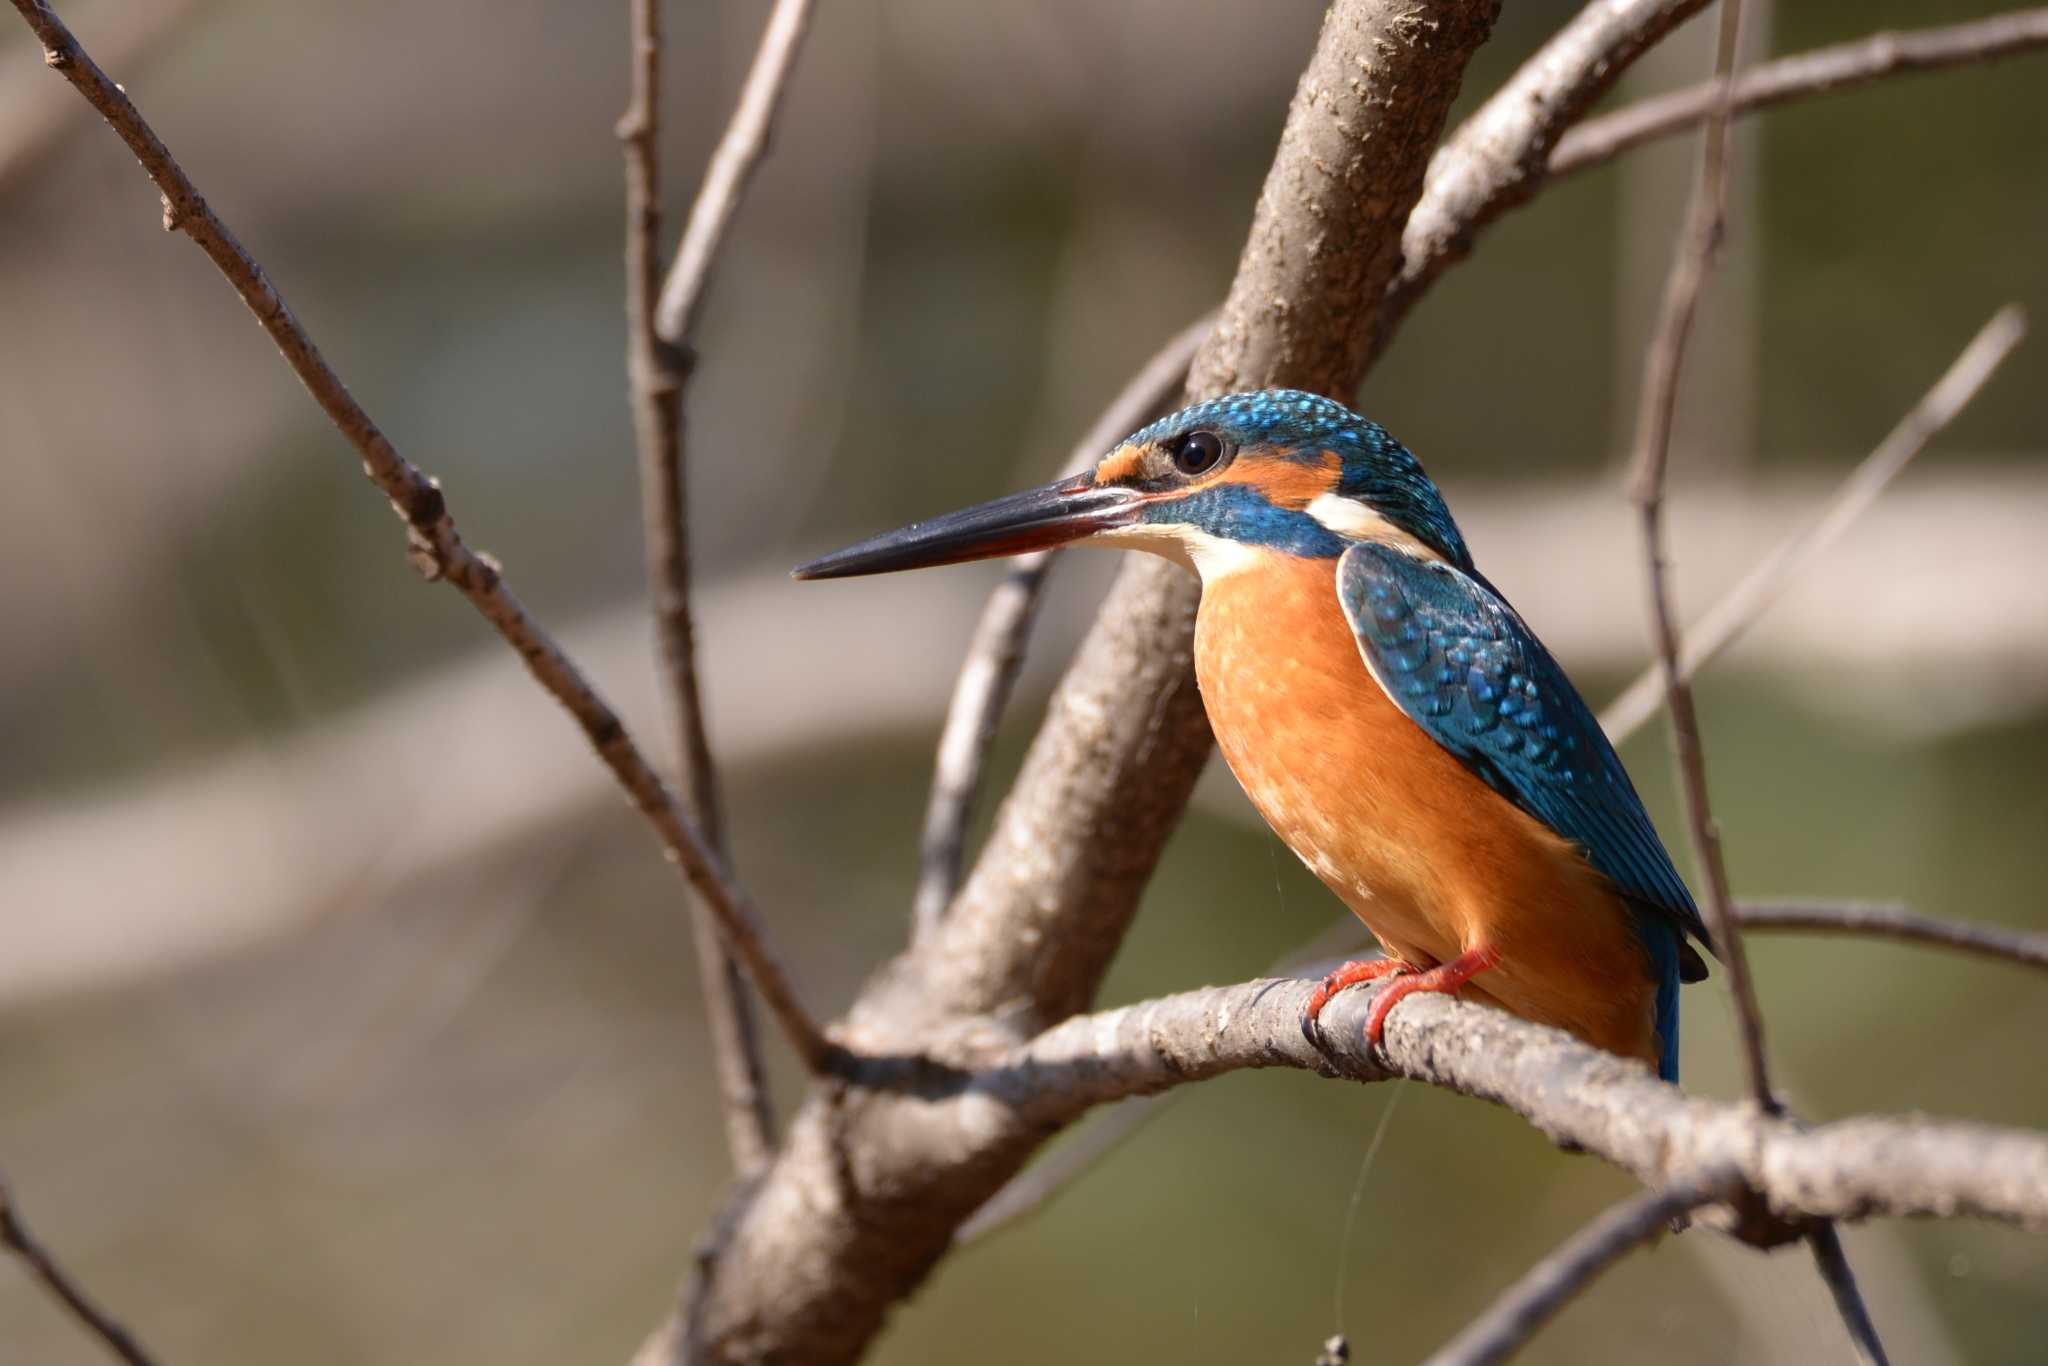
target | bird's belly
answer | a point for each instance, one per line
(1433, 860)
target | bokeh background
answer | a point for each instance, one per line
(346, 1014)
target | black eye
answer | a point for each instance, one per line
(1197, 452)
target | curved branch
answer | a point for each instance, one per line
(438, 550)
(1510, 1321)
(1896, 922)
(1581, 1098)
(1822, 71)
(1499, 157)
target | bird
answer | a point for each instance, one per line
(1386, 710)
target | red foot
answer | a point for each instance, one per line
(1350, 975)
(1446, 978)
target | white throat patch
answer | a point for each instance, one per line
(1211, 557)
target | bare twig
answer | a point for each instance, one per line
(1740, 607)
(34, 117)
(438, 550)
(1896, 922)
(1510, 1321)
(996, 655)
(16, 1238)
(1699, 240)
(732, 166)
(1819, 72)
(1833, 1261)
(1698, 244)
(1037, 1185)
(655, 390)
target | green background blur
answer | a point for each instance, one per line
(465, 1114)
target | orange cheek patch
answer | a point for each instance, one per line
(1123, 463)
(1288, 483)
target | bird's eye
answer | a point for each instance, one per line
(1197, 452)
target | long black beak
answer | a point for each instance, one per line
(1042, 518)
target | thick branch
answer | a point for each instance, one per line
(1819, 72)
(438, 550)
(1581, 1098)
(1498, 158)
(870, 1187)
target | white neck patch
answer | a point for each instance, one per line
(1354, 520)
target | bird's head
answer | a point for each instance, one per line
(1214, 486)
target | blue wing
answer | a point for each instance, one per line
(1463, 666)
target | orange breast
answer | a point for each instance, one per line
(1433, 860)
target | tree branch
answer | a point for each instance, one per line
(655, 380)
(870, 1185)
(1498, 158)
(1692, 262)
(996, 655)
(63, 1286)
(1582, 1099)
(1741, 606)
(1508, 1324)
(1896, 922)
(1833, 1261)
(1819, 72)
(732, 167)
(438, 550)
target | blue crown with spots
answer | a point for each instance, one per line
(1378, 471)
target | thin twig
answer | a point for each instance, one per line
(1828, 1254)
(989, 673)
(1741, 607)
(437, 549)
(1881, 921)
(1510, 1321)
(35, 117)
(655, 387)
(16, 1238)
(1819, 72)
(732, 166)
(1693, 261)
(1034, 1188)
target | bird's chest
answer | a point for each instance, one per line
(1353, 786)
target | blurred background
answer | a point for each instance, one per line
(346, 1014)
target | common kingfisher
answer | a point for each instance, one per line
(1388, 713)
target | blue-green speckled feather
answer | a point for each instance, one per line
(1464, 667)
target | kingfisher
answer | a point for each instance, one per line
(1389, 714)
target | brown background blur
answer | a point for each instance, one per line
(347, 1016)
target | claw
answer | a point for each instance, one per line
(1447, 977)
(1350, 974)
